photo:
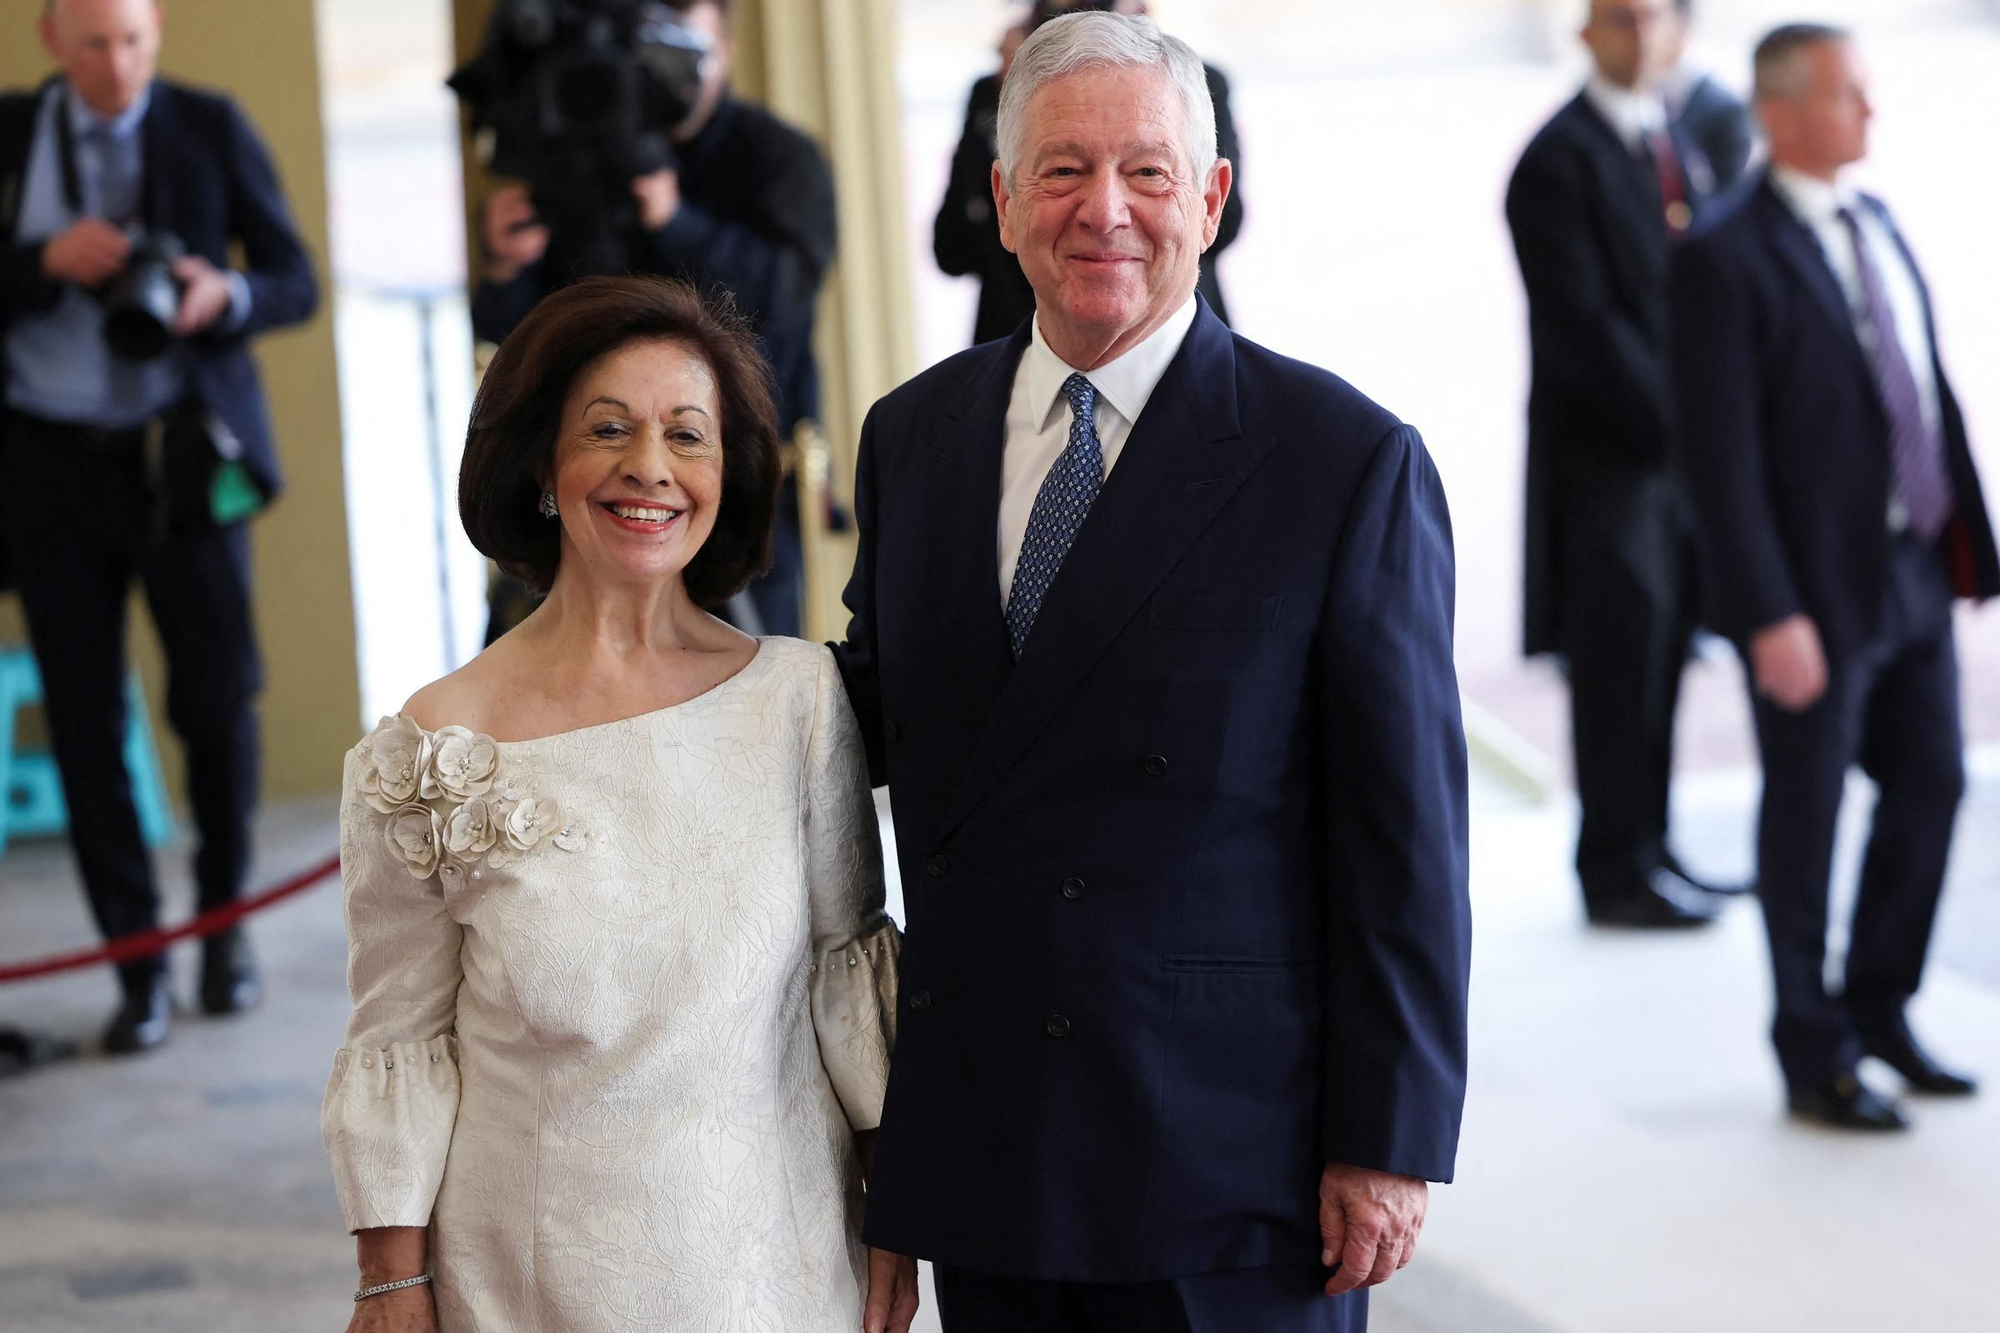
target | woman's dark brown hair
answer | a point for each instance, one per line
(517, 415)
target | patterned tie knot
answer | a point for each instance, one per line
(1082, 395)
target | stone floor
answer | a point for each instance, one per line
(1624, 1169)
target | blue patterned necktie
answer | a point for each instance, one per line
(1065, 497)
(1914, 448)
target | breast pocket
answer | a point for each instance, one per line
(1228, 615)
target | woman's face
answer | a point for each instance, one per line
(638, 463)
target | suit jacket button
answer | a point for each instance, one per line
(1156, 764)
(1072, 889)
(1057, 1026)
(937, 866)
(920, 1001)
(894, 732)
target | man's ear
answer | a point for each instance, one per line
(1002, 197)
(1220, 178)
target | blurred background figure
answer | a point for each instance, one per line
(1840, 514)
(966, 237)
(1704, 113)
(722, 194)
(1600, 195)
(136, 445)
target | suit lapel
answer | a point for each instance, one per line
(1180, 466)
(1628, 192)
(1800, 250)
(160, 139)
(960, 520)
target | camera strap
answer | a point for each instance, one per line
(72, 178)
(72, 174)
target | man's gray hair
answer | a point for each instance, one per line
(1777, 64)
(1077, 42)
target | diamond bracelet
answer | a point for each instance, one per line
(416, 1281)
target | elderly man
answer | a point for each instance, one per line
(141, 463)
(1600, 195)
(1151, 639)
(1840, 513)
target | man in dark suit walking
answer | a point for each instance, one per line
(1599, 197)
(120, 467)
(1151, 640)
(1839, 516)
(1706, 114)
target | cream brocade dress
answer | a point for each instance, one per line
(622, 996)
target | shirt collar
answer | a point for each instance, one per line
(1815, 202)
(1633, 113)
(83, 119)
(1126, 383)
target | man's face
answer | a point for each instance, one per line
(1832, 112)
(1104, 211)
(1634, 42)
(706, 18)
(108, 49)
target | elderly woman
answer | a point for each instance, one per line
(623, 986)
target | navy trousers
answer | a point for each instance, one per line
(1251, 1300)
(1892, 707)
(81, 528)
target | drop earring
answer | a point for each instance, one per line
(548, 505)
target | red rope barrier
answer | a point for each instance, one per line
(146, 943)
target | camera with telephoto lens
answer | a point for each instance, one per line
(578, 98)
(141, 299)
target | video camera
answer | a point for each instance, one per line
(579, 97)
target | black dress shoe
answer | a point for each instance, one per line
(1649, 907)
(145, 1018)
(1847, 1103)
(229, 983)
(1679, 872)
(1901, 1053)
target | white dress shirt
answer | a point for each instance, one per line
(1635, 115)
(1817, 203)
(1039, 416)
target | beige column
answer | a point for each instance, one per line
(266, 57)
(829, 67)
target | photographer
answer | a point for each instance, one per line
(135, 443)
(746, 205)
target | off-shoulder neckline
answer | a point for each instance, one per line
(763, 642)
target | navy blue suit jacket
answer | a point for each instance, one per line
(1186, 886)
(209, 181)
(1785, 437)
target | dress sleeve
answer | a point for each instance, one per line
(855, 944)
(393, 1097)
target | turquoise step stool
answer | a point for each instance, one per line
(31, 797)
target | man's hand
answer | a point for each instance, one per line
(204, 294)
(1789, 663)
(87, 254)
(892, 1293)
(659, 198)
(1369, 1222)
(515, 237)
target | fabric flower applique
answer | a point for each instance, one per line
(452, 804)
(462, 765)
(397, 766)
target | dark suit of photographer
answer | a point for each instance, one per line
(748, 208)
(88, 161)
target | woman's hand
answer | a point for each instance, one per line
(892, 1293)
(411, 1310)
(390, 1254)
